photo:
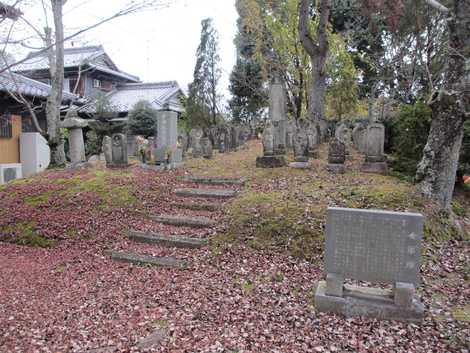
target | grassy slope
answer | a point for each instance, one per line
(286, 207)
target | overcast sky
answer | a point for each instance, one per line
(156, 46)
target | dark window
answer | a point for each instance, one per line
(5, 126)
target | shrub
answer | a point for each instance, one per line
(409, 136)
(142, 119)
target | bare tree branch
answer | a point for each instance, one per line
(131, 8)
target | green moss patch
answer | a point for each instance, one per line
(25, 233)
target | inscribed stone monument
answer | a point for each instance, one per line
(336, 156)
(206, 145)
(166, 134)
(196, 136)
(372, 246)
(375, 157)
(274, 137)
(360, 138)
(119, 151)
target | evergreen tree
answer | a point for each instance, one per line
(246, 79)
(142, 119)
(203, 100)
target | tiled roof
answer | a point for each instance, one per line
(73, 57)
(27, 87)
(160, 94)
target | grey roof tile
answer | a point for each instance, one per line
(27, 87)
(91, 56)
(160, 94)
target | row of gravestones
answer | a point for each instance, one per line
(280, 134)
(368, 140)
(224, 138)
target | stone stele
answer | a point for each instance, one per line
(372, 246)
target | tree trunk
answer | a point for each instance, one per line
(317, 50)
(318, 91)
(450, 107)
(54, 101)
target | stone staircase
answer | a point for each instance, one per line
(193, 199)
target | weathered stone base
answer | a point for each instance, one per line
(368, 302)
(376, 168)
(336, 168)
(171, 241)
(206, 193)
(117, 166)
(214, 180)
(185, 221)
(271, 162)
(198, 206)
(300, 165)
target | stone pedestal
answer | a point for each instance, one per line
(271, 162)
(368, 302)
(300, 165)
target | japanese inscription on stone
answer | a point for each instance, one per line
(376, 246)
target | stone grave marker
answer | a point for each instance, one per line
(300, 142)
(372, 246)
(166, 134)
(278, 115)
(196, 136)
(119, 151)
(360, 138)
(207, 151)
(375, 158)
(274, 136)
(336, 156)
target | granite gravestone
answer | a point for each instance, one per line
(301, 155)
(274, 136)
(360, 138)
(313, 136)
(372, 246)
(119, 151)
(206, 145)
(196, 136)
(166, 135)
(278, 115)
(336, 156)
(375, 158)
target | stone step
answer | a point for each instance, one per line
(206, 193)
(185, 221)
(139, 259)
(171, 241)
(214, 180)
(198, 206)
